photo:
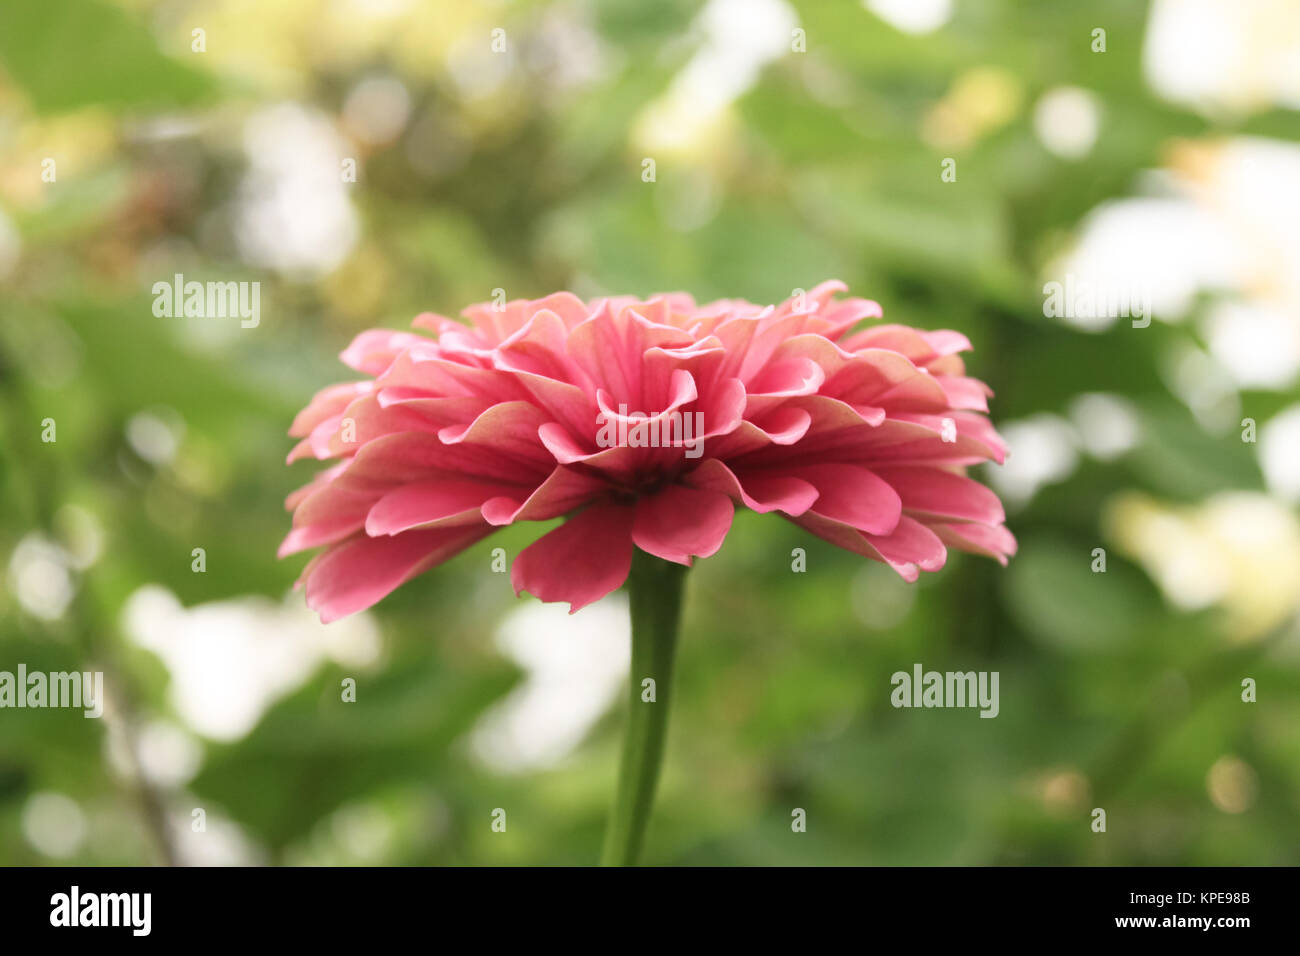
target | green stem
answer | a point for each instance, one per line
(655, 599)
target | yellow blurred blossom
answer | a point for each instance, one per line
(279, 46)
(1239, 551)
(980, 101)
(44, 151)
(1232, 784)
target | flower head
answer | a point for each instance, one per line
(645, 422)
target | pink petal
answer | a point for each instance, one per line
(326, 404)
(855, 496)
(445, 502)
(564, 490)
(509, 429)
(328, 531)
(785, 425)
(539, 348)
(937, 493)
(760, 492)
(679, 522)
(609, 347)
(323, 478)
(911, 543)
(947, 342)
(352, 576)
(375, 349)
(964, 392)
(993, 542)
(566, 403)
(580, 561)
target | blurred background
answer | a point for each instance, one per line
(503, 145)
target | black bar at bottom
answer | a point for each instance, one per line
(334, 906)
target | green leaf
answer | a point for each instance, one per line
(72, 53)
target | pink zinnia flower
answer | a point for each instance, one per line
(861, 437)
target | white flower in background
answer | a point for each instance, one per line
(912, 16)
(1165, 249)
(293, 213)
(1257, 343)
(1224, 55)
(165, 754)
(1201, 382)
(1041, 450)
(231, 660)
(1279, 453)
(1237, 550)
(1044, 449)
(1229, 226)
(1226, 218)
(155, 434)
(1066, 119)
(39, 577)
(1252, 187)
(221, 842)
(1223, 216)
(53, 824)
(1107, 425)
(574, 668)
(739, 38)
